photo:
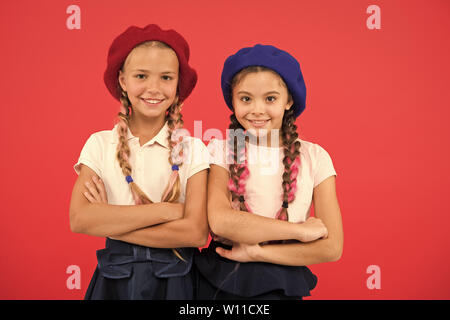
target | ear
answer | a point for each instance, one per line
(289, 103)
(122, 81)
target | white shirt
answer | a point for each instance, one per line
(149, 163)
(263, 187)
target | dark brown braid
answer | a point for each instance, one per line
(291, 149)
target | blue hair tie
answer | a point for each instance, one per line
(175, 167)
(129, 179)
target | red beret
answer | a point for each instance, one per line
(125, 42)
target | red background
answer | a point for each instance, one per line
(378, 102)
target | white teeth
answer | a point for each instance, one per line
(152, 101)
(259, 122)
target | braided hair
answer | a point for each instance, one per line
(239, 172)
(175, 123)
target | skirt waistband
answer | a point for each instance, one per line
(117, 259)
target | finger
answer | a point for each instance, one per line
(101, 188)
(89, 197)
(93, 190)
(223, 252)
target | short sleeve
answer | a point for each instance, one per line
(217, 152)
(199, 157)
(90, 156)
(324, 168)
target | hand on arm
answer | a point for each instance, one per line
(301, 254)
(189, 231)
(98, 218)
(249, 228)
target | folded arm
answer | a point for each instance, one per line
(328, 249)
(189, 231)
(249, 228)
(104, 220)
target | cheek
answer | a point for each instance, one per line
(135, 88)
(277, 115)
(170, 89)
(240, 111)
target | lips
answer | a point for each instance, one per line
(258, 123)
(152, 101)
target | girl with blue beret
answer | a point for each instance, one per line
(262, 181)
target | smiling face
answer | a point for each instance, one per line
(150, 79)
(260, 99)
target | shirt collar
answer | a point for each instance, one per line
(160, 138)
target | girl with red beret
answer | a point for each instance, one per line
(262, 181)
(142, 185)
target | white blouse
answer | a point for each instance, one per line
(150, 165)
(263, 187)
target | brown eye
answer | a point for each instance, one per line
(271, 99)
(245, 99)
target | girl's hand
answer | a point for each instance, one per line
(312, 229)
(240, 252)
(96, 191)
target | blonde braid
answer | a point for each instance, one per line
(174, 122)
(123, 152)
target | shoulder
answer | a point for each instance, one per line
(218, 144)
(103, 137)
(196, 143)
(312, 149)
(197, 153)
(99, 142)
(217, 148)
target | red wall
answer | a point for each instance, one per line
(378, 102)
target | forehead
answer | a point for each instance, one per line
(261, 81)
(152, 58)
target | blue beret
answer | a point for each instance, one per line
(270, 57)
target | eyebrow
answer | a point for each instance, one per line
(248, 93)
(147, 71)
(272, 92)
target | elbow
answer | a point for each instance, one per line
(75, 223)
(201, 240)
(335, 253)
(195, 232)
(201, 237)
(74, 226)
(215, 224)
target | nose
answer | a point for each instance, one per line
(258, 107)
(152, 85)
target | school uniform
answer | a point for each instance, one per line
(129, 271)
(221, 278)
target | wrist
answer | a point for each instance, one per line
(256, 252)
(300, 228)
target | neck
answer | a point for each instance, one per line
(145, 129)
(266, 140)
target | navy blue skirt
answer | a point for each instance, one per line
(131, 272)
(221, 278)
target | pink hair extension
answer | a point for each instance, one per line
(243, 178)
(172, 180)
(247, 207)
(232, 186)
(235, 204)
(281, 215)
(294, 173)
